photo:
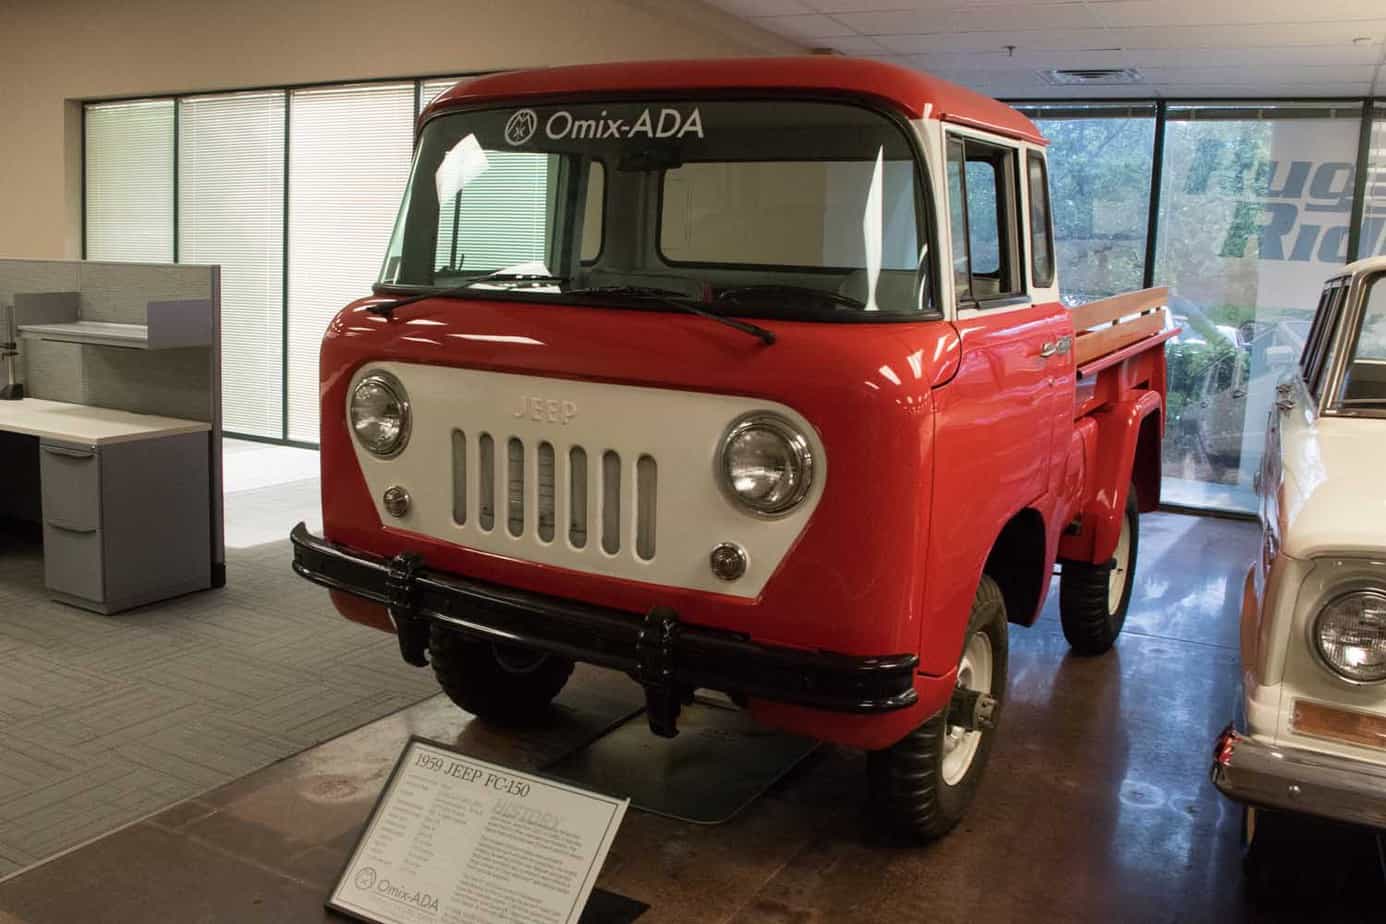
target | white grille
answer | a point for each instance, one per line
(600, 478)
(544, 485)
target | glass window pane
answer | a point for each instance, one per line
(983, 218)
(349, 155)
(1254, 215)
(1373, 241)
(1100, 160)
(1041, 246)
(594, 214)
(129, 181)
(231, 213)
(957, 220)
(501, 217)
(1364, 386)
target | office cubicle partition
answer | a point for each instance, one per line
(136, 337)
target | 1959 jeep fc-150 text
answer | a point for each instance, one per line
(745, 375)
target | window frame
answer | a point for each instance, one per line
(932, 307)
(1036, 158)
(1351, 316)
(1009, 197)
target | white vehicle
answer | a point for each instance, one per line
(1309, 738)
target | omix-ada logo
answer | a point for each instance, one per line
(521, 127)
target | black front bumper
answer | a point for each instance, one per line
(669, 658)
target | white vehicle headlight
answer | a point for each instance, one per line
(766, 464)
(380, 414)
(1350, 634)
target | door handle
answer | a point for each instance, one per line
(1049, 349)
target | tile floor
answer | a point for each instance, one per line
(1096, 806)
(105, 719)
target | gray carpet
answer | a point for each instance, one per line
(105, 719)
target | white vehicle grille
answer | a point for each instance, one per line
(535, 488)
(606, 479)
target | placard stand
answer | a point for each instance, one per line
(719, 764)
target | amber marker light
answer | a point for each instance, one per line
(1346, 725)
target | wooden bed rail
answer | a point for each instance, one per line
(1109, 324)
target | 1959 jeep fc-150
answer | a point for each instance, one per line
(1309, 737)
(749, 376)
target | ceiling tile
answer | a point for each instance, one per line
(749, 8)
(1232, 12)
(808, 26)
(995, 18)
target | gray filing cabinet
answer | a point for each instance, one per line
(128, 523)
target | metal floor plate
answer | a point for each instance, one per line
(719, 763)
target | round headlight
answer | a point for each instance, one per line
(380, 414)
(1350, 634)
(767, 465)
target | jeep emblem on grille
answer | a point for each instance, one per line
(546, 410)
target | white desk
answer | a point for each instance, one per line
(88, 426)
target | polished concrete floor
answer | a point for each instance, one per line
(1096, 806)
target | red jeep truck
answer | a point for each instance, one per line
(745, 375)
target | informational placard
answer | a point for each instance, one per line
(456, 840)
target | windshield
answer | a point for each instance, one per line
(1364, 383)
(790, 209)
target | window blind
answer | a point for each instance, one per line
(129, 181)
(429, 89)
(349, 155)
(231, 213)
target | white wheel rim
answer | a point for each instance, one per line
(1116, 580)
(974, 673)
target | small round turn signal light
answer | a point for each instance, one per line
(396, 501)
(729, 561)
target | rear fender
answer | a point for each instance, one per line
(1127, 448)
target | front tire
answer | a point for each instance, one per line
(921, 786)
(501, 684)
(1093, 599)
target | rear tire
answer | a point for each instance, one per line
(1093, 599)
(921, 786)
(502, 684)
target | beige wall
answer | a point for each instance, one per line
(53, 52)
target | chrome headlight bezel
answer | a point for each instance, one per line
(798, 450)
(1315, 635)
(379, 378)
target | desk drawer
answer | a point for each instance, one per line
(73, 562)
(71, 476)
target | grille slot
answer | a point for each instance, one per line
(515, 486)
(543, 488)
(646, 490)
(577, 497)
(486, 495)
(546, 492)
(459, 477)
(611, 502)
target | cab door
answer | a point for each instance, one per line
(994, 424)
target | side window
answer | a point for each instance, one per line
(1041, 230)
(1365, 382)
(1311, 343)
(982, 197)
(957, 219)
(1324, 348)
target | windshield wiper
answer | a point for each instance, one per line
(744, 293)
(679, 301)
(387, 309)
